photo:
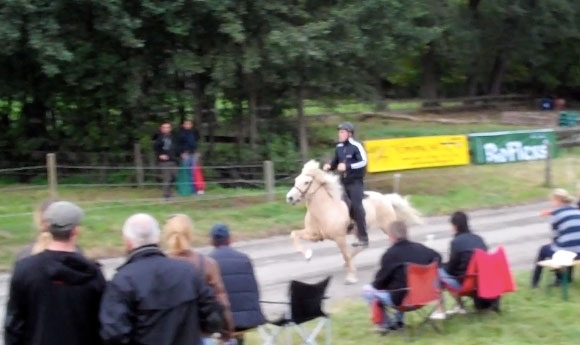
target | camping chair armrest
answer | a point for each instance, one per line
(274, 302)
(394, 290)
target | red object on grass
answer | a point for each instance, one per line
(198, 180)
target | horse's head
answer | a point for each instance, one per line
(305, 184)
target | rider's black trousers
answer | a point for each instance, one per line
(355, 191)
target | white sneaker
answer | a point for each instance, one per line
(437, 315)
(456, 310)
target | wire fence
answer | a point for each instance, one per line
(121, 183)
(108, 204)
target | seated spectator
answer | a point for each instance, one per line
(461, 250)
(44, 237)
(153, 299)
(54, 295)
(392, 274)
(177, 233)
(240, 282)
(565, 220)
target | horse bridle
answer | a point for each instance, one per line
(303, 193)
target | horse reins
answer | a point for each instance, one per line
(303, 193)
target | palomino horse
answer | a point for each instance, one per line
(327, 216)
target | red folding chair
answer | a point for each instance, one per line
(487, 276)
(422, 290)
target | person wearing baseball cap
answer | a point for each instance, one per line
(56, 287)
(350, 161)
(239, 280)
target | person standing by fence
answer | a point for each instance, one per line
(166, 150)
(187, 141)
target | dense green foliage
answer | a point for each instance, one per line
(99, 75)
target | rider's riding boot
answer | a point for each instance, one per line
(364, 243)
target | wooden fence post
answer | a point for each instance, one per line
(51, 175)
(269, 181)
(396, 183)
(548, 169)
(139, 165)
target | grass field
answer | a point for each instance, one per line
(433, 191)
(529, 317)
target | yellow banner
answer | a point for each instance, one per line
(417, 152)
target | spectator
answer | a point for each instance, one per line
(187, 138)
(565, 220)
(153, 299)
(392, 273)
(44, 237)
(240, 282)
(177, 233)
(166, 149)
(55, 295)
(461, 250)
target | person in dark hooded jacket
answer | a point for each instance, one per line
(153, 299)
(55, 295)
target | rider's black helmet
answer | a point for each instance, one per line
(347, 126)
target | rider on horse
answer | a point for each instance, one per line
(350, 159)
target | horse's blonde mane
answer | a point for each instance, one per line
(330, 182)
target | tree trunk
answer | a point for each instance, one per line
(497, 73)
(252, 109)
(429, 85)
(472, 77)
(203, 103)
(302, 134)
(380, 101)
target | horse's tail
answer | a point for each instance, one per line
(403, 208)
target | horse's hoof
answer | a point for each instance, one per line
(308, 254)
(350, 280)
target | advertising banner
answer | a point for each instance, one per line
(416, 152)
(512, 146)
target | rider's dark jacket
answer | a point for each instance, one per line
(353, 154)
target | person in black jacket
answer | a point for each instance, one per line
(167, 151)
(461, 250)
(392, 274)
(55, 295)
(154, 299)
(350, 159)
(239, 280)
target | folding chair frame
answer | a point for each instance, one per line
(271, 331)
(424, 311)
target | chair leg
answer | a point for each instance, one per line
(328, 332)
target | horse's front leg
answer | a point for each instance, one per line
(296, 235)
(350, 269)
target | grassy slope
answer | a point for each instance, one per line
(529, 317)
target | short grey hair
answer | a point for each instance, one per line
(141, 229)
(398, 230)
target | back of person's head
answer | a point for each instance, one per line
(44, 237)
(562, 196)
(63, 219)
(177, 233)
(398, 231)
(460, 222)
(140, 230)
(220, 235)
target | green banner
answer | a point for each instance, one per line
(512, 146)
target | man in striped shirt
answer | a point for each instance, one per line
(565, 221)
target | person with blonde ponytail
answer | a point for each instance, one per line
(44, 238)
(177, 238)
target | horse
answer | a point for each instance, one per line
(327, 215)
